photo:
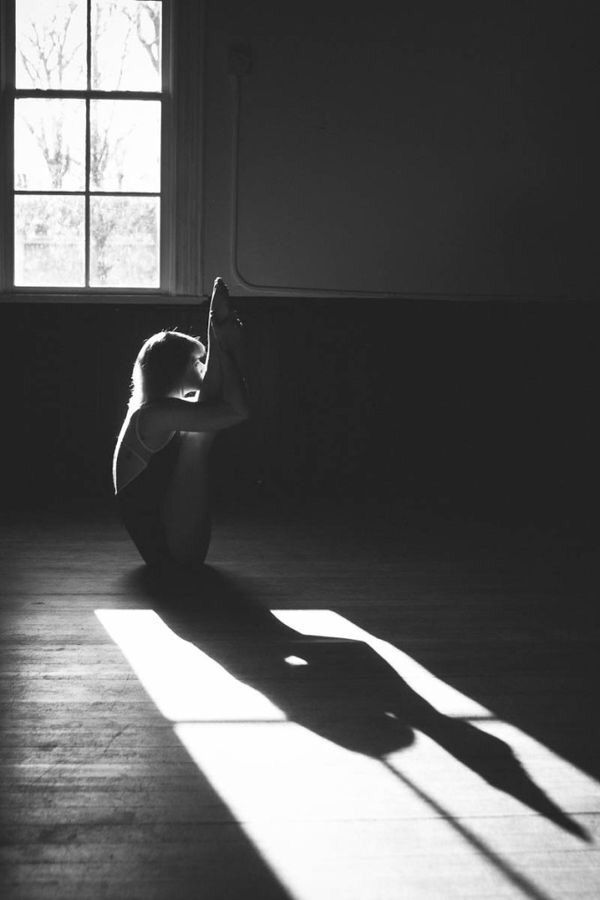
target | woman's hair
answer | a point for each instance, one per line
(160, 366)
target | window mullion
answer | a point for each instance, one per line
(7, 177)
(87, 192)
(82, 95)
(88, 150)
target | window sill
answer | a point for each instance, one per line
(108, 297)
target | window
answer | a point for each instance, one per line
(87, 143)
(101, 150)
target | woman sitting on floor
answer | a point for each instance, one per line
(182, 395)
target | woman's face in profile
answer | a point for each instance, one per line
(194, 373)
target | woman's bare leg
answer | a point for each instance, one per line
(212, 381)
(224, 334)
(186, 509)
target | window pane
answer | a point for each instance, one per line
(125, 145)
(124, 242)
(49, 145)
(50, 44)
(49, 241)
(126, 45)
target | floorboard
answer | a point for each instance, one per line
(354, 701)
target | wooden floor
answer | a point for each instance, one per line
(351, 703)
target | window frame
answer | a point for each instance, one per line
(180, 271)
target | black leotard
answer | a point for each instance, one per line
(140, 504)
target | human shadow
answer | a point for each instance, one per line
(340, 689)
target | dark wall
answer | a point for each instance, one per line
(490, 407)
(411, 148)
(415, 148)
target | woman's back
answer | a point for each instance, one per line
(132, 454)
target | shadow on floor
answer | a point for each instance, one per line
(343, 690)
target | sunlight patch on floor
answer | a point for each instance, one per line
(326, 623)
(332, 822)
(186, 684)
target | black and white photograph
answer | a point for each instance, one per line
(299, 482)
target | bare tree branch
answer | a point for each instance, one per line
(152, 46)
(30, 67)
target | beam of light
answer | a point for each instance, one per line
(326, 623)
(186, 684)
(331, 822)
(520, 881)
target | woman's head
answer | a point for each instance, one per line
(162, 366)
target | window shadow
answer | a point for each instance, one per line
(341, 689)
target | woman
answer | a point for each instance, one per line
(182, 395)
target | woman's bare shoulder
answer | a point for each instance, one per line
(154, 421)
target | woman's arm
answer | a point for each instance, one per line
(173, 414)
(222, 401)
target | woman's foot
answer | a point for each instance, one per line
(223, 318)
(220, 307)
